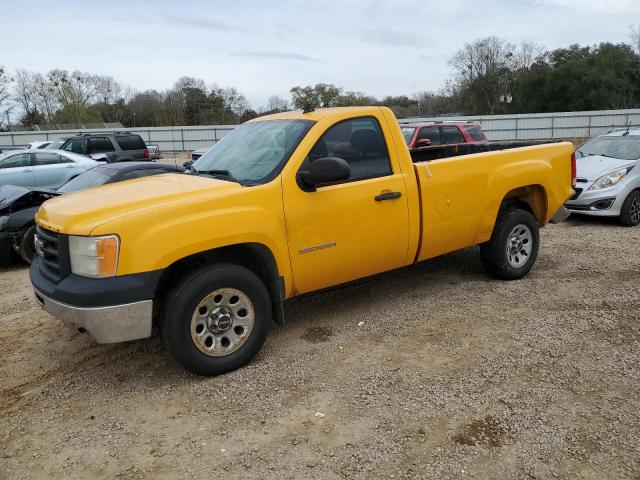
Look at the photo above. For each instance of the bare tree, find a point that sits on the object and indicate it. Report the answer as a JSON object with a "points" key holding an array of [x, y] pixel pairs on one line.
{"points": [[277, 104], [5, 98], [74, 91], [483, 69], [635, 37], [527, 54], [107, 89]]}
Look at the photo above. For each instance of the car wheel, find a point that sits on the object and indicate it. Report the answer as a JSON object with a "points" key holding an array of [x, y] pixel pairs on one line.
{"points": [[513, 247], [216, 319], [25, 245], [630, 211]]}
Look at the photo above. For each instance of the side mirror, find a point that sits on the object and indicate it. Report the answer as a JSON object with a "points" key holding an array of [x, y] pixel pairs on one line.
{"points": [[423, 142], [325, 170]]}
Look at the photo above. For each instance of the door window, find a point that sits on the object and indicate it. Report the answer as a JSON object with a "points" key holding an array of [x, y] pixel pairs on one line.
{"points": [[360, 142], [430, 133], [18, 160], [451, 135], [50, 159], [100, 145], [78, 146]]}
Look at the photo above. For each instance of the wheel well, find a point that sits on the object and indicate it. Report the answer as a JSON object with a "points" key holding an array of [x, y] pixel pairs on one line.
{"points": [[532, 198], [253, 256]]}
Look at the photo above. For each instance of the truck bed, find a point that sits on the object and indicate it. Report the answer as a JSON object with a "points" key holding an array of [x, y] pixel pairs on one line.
{"points": [[460, 195], [434, 153]]}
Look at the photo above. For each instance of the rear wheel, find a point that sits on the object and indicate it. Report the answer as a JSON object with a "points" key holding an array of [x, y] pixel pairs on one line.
{"points": [[513, 247], [25, 245], [630, 211], [216, 319]]}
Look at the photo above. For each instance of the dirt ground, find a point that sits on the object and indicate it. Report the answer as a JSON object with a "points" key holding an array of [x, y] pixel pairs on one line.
{"points": [[452, 375]]}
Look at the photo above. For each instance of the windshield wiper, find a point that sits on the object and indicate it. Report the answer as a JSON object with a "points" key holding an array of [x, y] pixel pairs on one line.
{"points": [[222, 174], [600, 154]]}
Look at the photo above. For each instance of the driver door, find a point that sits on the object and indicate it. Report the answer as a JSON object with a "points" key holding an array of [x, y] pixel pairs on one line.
{"points": [[353, 228]]}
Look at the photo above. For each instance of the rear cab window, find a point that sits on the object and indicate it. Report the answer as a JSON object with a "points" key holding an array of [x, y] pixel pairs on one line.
{"points": [[131, 142]]}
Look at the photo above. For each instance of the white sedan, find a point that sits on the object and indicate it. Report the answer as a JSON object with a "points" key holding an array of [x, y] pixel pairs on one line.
{"points": [[42, 168]]}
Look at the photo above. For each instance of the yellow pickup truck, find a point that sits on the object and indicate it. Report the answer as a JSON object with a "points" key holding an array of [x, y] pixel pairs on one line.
{"points": [[284, 205]]}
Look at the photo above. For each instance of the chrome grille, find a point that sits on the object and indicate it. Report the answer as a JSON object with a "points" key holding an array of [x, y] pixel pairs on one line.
{"points": [[53, 260]]}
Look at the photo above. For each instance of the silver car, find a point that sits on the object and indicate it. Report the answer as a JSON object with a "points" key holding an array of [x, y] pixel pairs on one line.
{"points": [[608, 177], [42, 168]]}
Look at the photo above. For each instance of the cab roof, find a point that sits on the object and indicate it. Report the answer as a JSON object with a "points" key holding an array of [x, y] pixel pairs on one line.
{"points": [[320, 113]]}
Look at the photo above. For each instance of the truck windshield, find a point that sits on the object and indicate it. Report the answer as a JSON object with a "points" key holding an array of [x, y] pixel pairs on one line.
{"points": [[623, 147], [407, 132], [254, 151]]}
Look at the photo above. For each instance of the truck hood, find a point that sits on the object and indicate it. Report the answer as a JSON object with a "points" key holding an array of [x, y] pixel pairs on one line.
{"points": [[593, 167], [81, 212]]}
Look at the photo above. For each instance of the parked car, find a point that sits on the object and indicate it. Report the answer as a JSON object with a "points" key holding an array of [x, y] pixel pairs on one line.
{"points": [[112, 147], [154, 151], [34, 145], [286, 204], [10, 148], [18, 205], [430, 135], [608, 177], [42, 168]]}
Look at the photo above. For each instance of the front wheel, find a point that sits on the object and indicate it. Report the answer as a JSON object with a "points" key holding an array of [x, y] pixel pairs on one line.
{"points": [[216, 319], [630, 211], [513, 247]]}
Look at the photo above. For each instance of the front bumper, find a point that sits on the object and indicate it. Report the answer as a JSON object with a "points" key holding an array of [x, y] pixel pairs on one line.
{"points": [[114, 309], [112, 324], [606, 202]]}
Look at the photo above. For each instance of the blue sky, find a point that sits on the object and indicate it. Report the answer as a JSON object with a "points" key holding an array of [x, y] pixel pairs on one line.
{"points": [[266, 47]]}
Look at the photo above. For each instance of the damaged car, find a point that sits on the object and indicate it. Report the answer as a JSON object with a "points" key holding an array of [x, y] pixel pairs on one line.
{"points": [[18, 205]]}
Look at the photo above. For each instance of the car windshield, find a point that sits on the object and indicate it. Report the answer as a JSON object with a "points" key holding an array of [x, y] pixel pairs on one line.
{"points": [[625, 147], [407, 132], [91, 178], [55, 145], [254, 150]]}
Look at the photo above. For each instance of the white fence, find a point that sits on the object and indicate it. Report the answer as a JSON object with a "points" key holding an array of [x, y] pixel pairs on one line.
{"points": [[167, 138], [550, 126], [538, 126]]}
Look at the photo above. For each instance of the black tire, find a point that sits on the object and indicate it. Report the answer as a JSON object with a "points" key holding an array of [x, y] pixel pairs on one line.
{"points": [[495, 254], [180, 307], [25, 245], [630, 211]]}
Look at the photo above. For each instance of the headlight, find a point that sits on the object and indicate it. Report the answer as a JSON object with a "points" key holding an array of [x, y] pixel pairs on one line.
{"points": [[610, 179], [94, 256], [3, 221]]}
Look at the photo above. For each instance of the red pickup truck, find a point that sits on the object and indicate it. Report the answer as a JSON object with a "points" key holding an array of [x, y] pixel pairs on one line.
{"points": [[432, 135]]}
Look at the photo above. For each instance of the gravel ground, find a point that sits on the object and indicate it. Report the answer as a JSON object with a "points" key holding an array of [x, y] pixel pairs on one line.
{"points": [[452, 375]]}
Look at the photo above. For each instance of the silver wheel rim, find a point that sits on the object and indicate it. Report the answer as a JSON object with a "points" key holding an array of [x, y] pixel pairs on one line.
{"points": [[222, 322], [519, 246], [635, 210]]}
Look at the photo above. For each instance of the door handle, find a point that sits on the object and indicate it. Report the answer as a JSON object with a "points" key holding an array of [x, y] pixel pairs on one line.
{"points": [[387, 196], [28, 170]]}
